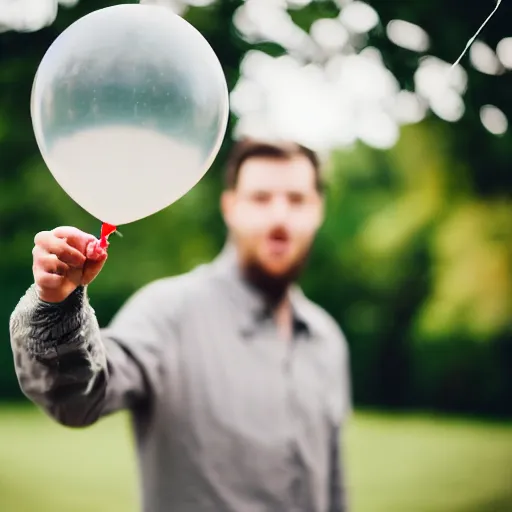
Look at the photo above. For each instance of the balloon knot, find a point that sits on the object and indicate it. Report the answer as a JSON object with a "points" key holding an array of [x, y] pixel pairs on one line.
{"points": [[106, 231]]}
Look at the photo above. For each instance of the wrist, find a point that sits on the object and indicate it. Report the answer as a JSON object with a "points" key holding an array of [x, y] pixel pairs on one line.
{"points": [[54, 299], [72, 303], [54, 324]]}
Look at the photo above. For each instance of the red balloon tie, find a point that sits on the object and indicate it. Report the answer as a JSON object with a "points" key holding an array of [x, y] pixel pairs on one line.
{"points": [[106, 231]]}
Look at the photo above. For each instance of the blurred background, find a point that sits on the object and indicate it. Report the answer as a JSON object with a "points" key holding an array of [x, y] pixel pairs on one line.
{"points": [[414, 261]]}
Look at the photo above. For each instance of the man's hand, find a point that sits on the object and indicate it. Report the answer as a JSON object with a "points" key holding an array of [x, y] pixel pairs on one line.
{"points": [[64, 259]]}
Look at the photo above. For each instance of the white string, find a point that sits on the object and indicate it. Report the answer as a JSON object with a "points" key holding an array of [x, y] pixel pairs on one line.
{"points": [[470, 42]]}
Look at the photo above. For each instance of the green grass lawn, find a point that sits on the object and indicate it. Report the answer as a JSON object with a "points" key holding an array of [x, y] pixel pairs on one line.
{"points": [[395, 463]]}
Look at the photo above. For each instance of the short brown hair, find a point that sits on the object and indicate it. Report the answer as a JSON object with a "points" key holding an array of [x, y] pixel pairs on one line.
{"points": [[247, 148]]}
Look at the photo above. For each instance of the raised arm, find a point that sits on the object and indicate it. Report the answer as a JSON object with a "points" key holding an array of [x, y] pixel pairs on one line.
{"points": [[65, 363]]}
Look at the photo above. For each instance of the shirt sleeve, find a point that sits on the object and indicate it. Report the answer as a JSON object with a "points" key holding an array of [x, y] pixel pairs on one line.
{"points": [[341, 409], [337, 489], [76, 371]]}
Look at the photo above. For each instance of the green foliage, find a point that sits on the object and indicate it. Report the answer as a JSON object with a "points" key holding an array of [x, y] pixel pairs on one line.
{"points": [[417, 270]]}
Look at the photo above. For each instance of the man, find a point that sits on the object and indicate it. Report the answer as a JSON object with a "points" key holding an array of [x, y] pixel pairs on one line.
{"points": [[236, 382]]}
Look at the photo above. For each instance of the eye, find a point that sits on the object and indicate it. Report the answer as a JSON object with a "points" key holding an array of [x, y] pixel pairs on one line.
{"points": [[296, 198], [261, 197]]}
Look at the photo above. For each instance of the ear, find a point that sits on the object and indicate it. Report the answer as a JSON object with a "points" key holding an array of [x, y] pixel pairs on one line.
{"points": [[227, 200], [321, 212]]}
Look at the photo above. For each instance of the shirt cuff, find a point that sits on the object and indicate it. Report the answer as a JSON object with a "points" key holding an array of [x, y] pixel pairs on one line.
{"points": [[56, 324]]}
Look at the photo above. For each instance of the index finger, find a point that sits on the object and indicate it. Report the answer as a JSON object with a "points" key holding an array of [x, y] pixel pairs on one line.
{"points": [[74, 237]]}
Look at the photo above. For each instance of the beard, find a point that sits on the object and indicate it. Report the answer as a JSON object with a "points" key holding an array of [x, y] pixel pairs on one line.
{"points": [[274, 286]]}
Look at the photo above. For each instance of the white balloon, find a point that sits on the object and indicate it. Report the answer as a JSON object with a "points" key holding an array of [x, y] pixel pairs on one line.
{"points": [[129, 108]]}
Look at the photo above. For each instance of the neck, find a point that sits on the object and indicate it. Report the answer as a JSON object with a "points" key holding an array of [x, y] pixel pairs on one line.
{"points": [[284, 320]]}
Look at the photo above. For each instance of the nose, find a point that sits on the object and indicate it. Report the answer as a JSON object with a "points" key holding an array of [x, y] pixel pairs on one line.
{"points": [[280, 208]]}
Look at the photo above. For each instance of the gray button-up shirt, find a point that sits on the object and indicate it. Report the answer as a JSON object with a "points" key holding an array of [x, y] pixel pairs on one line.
{"points": [[228, 417]]}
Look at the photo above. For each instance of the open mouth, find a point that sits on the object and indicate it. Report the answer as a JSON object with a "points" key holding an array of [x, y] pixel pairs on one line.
{"points": [[278, 241]]}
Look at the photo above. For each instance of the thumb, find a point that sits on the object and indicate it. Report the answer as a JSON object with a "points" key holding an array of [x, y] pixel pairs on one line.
{"points": [[96, 258]]}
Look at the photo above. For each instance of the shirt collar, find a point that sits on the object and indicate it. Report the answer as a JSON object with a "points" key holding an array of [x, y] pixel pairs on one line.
{"points": [[252, 307]]}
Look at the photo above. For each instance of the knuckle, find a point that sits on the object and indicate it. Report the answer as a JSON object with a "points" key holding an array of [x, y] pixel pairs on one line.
{"points": [[48, 280], [45, 262], [41, 237], [36, 262], [62, 230], [39, 277], [67, 231], [48, 262]]}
